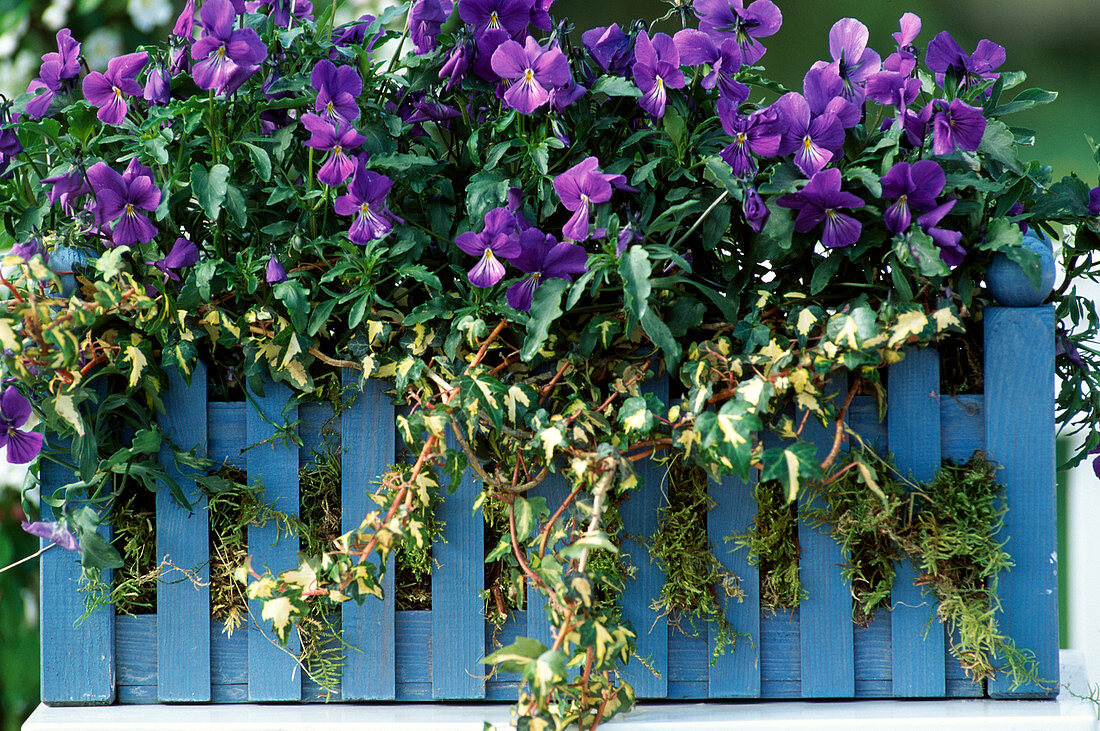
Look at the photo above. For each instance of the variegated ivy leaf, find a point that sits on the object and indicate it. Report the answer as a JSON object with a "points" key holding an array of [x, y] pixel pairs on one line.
{"points": [[137, 360], [792, 466], [517, 400], [517, 657], [278, 611], [946, 318], [910, 324], [635, 415], [550, 437], [849, 330]]}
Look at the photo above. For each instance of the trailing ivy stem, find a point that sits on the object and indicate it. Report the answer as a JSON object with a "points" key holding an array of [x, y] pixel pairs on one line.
{"points": [[598, 495], [555, 516], [839, 434]]}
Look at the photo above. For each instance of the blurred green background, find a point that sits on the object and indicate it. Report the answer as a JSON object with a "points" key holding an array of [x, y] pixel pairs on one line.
{"points": [[1056, 43]]}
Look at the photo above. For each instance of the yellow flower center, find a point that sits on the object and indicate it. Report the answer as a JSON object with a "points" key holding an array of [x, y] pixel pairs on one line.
{"points": [[129, 209], [364, 209], [494, 20], [118, 92], [807, 142], [220, 52], [336, 150], [528, 75], [741, 137]]}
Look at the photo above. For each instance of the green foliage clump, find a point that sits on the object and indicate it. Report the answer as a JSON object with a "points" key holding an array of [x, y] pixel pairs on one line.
{"points": [[696, 586], [772, 543]]}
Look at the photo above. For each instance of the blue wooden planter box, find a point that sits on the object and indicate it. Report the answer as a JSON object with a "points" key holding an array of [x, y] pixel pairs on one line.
{"points": [[178, 654]]}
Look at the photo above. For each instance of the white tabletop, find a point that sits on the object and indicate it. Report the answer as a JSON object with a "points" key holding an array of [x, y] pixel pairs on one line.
{"points": [[1065, 713]]}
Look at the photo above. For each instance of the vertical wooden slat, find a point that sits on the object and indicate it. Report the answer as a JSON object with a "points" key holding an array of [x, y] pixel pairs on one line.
{"points": [[1019, 402], [913, 425], [183, 540], [78, 660], [554, 488], [736, 673], [273, 462], [827, 643], [368, 451], [458, 619], [639, 514]]}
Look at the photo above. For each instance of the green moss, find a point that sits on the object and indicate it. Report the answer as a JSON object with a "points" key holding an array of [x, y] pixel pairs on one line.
{"points": [[133, 587], [948, 529], [772, 543], [696, 585]]}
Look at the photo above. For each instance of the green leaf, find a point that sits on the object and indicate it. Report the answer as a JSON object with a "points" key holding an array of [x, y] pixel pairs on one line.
{"points": [[825, 271], [146, 441], [518, 656], [867, 178], [320, 315], [110, 263], [634, 268], [615, 86], [999, 143], [260, 160], [661, 336], [545, 308], [1026, 99], [634, 415], [918, 251], [210, 188], [676, 129], [292, 294], [792, 466]]}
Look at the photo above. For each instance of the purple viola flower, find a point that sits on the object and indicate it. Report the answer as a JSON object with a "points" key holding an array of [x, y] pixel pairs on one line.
{"points": [[562, 96], [336, 140], [337, 88], [486, 44], [904, 59], [355, 34], [823, 90], [533, 70], [67, 55], [656, 69], [540, 14], [956, 125], [15, 409], [58, 67], [366, 200], [579, 187], [756, 135], [1094, 202], [54, 532], [67, 187], [610, 47], [106, 90], [627, 236], [181, 38], [542, 257], [121, 197], [496, 241], [755, 210], [30, 248], [813, 140], [730, 18], [945, 53], [282, 10], [511, 16], [696, 48], [853, 61], [425, 109], [185, 23], [893, 88], [426, 17], [821, 201], [951, 252], [183, 254], [1065, 347], [224, 57], [158, 86], [275, 272], [458, 63], [9, 147], [912, 187]]}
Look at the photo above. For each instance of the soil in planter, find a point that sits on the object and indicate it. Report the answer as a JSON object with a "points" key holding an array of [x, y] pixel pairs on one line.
{"points": [[961, 358], [696, 585]]}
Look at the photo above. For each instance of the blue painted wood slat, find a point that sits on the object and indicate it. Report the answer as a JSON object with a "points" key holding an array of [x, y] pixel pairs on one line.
{"points": [[77, 660], [458, 622], [183, 541], [273, 462], [913, 420], [828, 663], [555, 489], [1019, 392], [639, 515], [367, 452], [736, 672]]}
